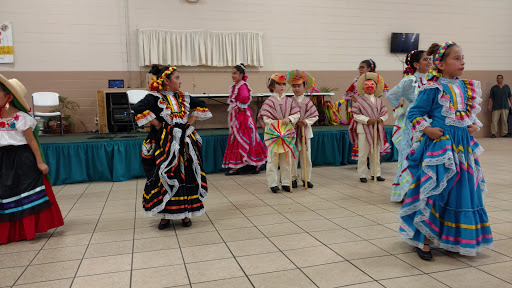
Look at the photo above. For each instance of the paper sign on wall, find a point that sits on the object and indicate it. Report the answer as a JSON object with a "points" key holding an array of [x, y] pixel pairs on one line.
{"points": [[6, 43]]}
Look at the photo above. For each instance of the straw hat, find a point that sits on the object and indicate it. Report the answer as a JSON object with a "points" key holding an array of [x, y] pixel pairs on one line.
{"points": [[370, 76], [298, 77], [18, 90]]}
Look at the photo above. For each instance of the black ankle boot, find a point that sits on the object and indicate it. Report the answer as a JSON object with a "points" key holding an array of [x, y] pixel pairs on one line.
{"points": [[162, 226], [425, 255]]}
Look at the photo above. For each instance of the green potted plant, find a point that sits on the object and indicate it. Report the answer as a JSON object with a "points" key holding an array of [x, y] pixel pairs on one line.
{"points": [[68, 106]]}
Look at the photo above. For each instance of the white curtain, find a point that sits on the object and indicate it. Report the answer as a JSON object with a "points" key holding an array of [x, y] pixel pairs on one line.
{"points": [[194, 48]]}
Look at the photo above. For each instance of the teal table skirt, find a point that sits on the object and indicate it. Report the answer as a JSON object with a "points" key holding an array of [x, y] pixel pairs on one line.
{"points": [[119, 160]]}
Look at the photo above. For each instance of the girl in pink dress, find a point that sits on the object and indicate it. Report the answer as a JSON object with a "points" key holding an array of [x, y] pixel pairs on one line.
{"points": [[244, 144]]}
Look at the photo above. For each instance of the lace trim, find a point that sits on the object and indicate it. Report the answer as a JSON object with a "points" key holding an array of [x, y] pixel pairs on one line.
{"points": [[143, 121], [471, 110], [182, 215], [170, 185], [166, 111], [403, 181], [417, 129], [148, 149], [201, 115], [202, 193], [426, 191], [449, 81], [231, 100], [430, 85], [399, 110], [235, 129], [436, 243]]}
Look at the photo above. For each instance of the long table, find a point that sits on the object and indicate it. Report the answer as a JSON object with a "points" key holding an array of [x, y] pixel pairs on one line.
{"points": [[116, 157]]}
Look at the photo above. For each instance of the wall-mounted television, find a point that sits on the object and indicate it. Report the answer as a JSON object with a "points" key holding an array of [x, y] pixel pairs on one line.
{"points": [[115, 83], [404, 42]]}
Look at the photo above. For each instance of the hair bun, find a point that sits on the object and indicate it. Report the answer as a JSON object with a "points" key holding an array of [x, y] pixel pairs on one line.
{"points": [[432, 50], [155, 70]]}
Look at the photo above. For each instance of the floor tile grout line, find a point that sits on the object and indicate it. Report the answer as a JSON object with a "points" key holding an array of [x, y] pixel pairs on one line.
{"points": [[323, 242], [267, 240], [92, 235], [181, 252], [224, 241], [48, 239], [477, 267], [133, 240], [426, 274], [299, 268], [230, 251], [377, 224]]}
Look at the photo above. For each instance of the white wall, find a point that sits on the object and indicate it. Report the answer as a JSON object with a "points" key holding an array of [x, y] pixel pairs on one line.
{"points": [[63, 35]]}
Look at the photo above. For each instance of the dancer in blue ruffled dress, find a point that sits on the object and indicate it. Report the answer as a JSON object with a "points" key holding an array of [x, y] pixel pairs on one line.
{"points": [[444, 205], [418, 64]]}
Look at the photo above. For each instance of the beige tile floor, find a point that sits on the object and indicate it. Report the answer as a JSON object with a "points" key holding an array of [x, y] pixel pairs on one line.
{"points": [[342, 233]]}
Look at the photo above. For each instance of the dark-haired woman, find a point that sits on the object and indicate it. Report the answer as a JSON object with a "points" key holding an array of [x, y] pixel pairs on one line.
{"points": [[171, 154], [27, 202], [418, 64], [365, 66], [244, 144]]}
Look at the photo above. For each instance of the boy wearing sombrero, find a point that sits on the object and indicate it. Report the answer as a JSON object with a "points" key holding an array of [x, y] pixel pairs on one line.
{"points": [[302, 82], [278, 107], [27, 202], [369, 111]]}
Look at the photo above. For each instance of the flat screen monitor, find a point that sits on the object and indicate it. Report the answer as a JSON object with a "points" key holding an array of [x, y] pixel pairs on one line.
{"points": [[404, 42], [115, 83]]}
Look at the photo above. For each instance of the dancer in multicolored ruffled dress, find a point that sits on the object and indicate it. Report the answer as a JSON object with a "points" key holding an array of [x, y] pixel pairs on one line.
{"points": [[418, 64], [244, 144], [171, 154], [444, 206], [27, 203]]}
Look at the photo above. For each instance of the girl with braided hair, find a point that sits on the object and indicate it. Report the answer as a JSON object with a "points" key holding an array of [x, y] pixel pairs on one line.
{"points": [[444, 205], [244, 144], [171, 154], [418, 64]]}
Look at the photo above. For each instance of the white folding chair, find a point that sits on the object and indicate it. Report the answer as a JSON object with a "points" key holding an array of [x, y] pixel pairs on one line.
{"points": [[134, 96], [47, 99]]}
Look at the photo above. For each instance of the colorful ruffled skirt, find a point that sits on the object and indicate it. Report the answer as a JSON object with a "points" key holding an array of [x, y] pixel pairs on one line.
{"points": [[244, 144], [176, 184], [445, 201], [402, 138], [27, 202]]}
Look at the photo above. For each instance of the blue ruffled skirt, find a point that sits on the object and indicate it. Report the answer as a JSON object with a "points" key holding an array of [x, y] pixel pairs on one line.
{"points": [[445, 200]]}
